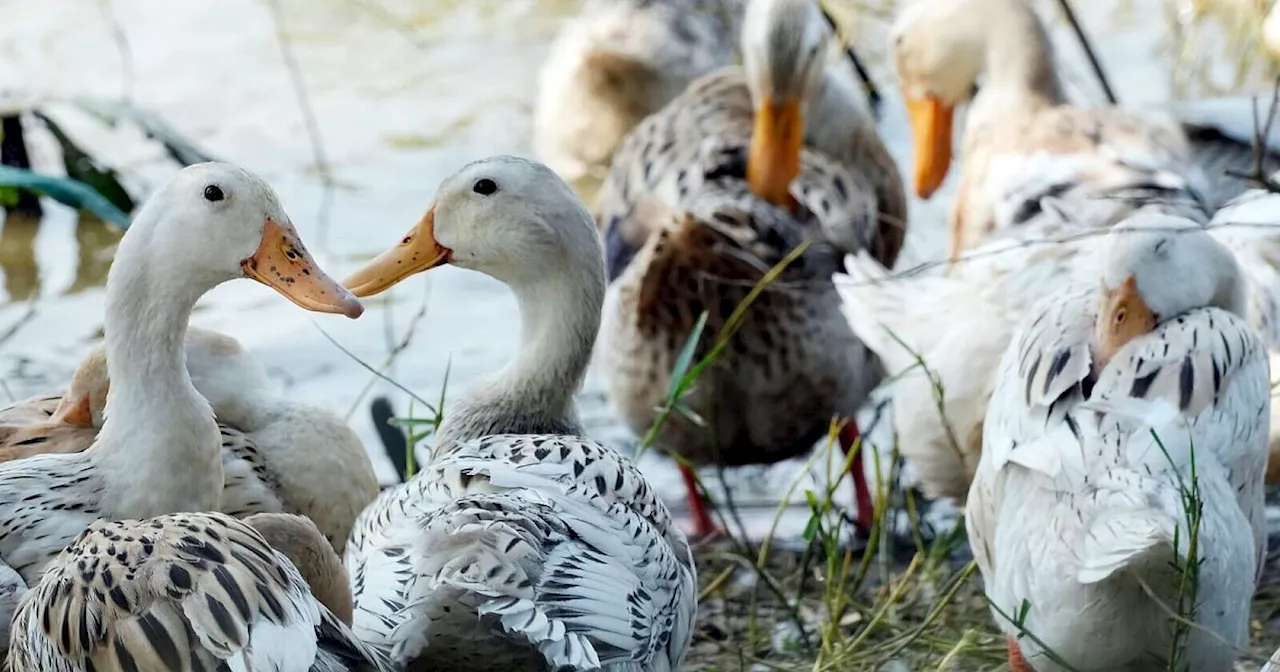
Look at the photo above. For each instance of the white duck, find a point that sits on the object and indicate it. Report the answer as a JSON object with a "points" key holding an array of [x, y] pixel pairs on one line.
{"points": [[959, 325], [279, 456], [521, 544], [189, 592], [1076, 513], [1022, 138], [158, 451]]}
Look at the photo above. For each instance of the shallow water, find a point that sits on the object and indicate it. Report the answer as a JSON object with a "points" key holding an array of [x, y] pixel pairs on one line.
{"points": [[403, 94]]}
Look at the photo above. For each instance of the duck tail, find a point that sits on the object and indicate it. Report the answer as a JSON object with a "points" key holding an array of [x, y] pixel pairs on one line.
{"points": [[393, 439]]}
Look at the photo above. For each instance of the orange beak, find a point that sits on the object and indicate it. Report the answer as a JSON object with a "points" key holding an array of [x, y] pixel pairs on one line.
{"points": [[283, 264], [774, 159], [931, 131], [74, 411], [417, 252], [1123, 317]]}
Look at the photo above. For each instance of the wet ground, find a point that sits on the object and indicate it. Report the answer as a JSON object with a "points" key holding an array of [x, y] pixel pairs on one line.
{"points": [[403, 93]]}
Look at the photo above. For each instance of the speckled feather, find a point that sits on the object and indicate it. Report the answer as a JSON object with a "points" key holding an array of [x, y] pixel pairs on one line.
{"points": [[182, 592], [684, 234], [524, 551], [1190, 361], [1095, 494]]}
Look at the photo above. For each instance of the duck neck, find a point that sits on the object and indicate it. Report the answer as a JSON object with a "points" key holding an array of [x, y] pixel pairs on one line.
{"points": [[1019, 57], [559, 320], [158, 430]]}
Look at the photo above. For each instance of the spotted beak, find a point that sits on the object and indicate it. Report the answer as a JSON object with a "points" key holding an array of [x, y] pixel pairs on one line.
{"points": [[417, 252], [1122, 317], [776, 140], [74, 411], [931, 132], [283, 264]]}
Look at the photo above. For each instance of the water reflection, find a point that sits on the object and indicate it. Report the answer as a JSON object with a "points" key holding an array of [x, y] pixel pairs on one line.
{"points": [[17, 257], [95, 246]]}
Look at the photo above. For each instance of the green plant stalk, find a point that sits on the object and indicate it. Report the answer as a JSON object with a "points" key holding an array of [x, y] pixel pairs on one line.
{"points": [[727, 331]]}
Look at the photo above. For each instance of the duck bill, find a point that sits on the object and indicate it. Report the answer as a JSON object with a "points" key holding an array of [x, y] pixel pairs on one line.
{"points": [[73, 410], [283, 264], [776, 140], [1123, 316], [417, 252], [931, 132]]}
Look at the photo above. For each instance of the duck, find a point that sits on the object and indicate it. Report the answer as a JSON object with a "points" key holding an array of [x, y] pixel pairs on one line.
{"points": [[278, 455], [940, 336], [701, 200], [521, 543], [959, 324], [616, 62], [1022, 139], [209, 224], [197, 590], [1116, 401]]}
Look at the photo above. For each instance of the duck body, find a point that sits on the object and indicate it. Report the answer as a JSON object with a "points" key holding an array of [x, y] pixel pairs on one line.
{"points": [[702, 199], [521, 544], [1078, 545], [278, 456], [1076, 511], [1247, 225], [617, 62], [492, 538], [784, 374], [158, 451], [188, 591]]}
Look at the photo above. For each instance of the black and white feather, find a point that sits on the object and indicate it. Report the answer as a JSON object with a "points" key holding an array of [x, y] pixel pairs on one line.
{"points": [[183, 592], [524, 552]]}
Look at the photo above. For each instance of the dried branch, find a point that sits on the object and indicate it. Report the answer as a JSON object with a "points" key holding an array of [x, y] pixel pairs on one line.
{"points": [[308, 112], [122, 45], [1088, 51], [1261, 133]]}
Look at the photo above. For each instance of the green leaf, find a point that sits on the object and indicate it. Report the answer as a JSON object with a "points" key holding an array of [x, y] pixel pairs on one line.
{"points": [[811, 529], [65, 190], [686, 356]]}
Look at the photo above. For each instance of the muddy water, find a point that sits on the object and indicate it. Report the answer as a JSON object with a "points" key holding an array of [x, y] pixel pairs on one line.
{"points": [[403, 93]]}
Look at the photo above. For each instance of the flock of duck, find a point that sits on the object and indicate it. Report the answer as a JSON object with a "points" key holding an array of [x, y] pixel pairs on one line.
{"points": [[1107, 396]]}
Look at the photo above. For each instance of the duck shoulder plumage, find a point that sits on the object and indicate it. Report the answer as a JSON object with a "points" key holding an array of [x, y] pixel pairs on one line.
{"points": [[179, 592], [556, 543]]}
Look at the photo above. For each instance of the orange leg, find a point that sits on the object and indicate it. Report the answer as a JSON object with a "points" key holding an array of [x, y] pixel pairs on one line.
{"points": [[861, 494], [703, 526], [1016, 662]]}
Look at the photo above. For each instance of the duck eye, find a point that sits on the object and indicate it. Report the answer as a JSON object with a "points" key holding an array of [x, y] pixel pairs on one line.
{"points": [[212, 193], [485, 187]]}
